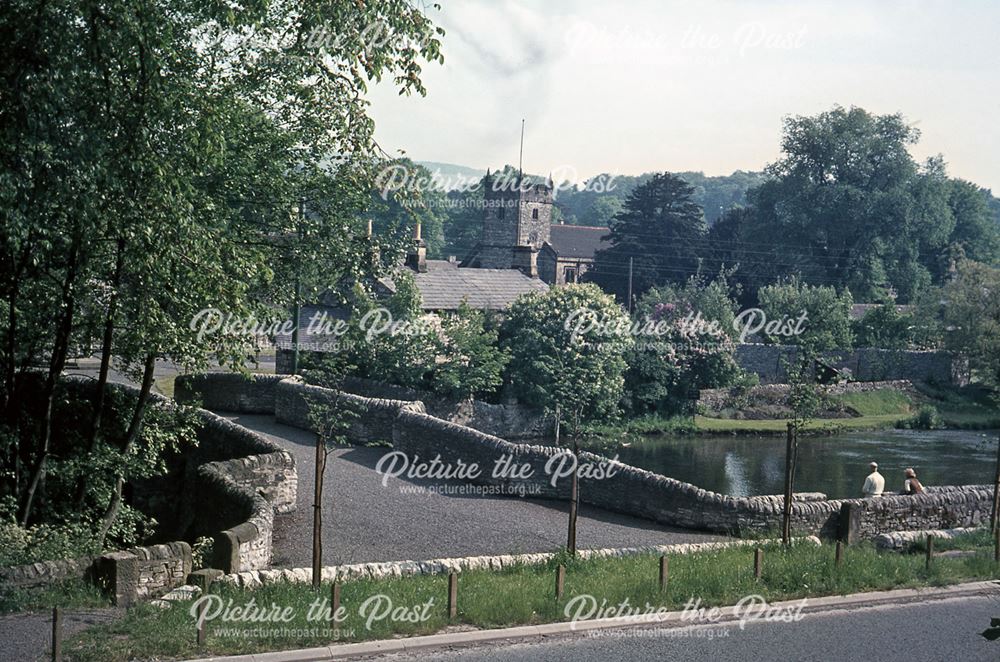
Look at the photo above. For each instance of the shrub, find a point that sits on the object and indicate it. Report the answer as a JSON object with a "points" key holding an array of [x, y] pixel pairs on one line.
{"points": [[926, 418], [44, 542]]}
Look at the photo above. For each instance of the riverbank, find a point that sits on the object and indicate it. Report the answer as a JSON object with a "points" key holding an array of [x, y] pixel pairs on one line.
{"points": [[922, 407], [523, 595]]}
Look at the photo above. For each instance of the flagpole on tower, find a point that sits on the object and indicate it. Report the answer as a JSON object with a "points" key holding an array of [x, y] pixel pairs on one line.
{"points": [[520, 158]]}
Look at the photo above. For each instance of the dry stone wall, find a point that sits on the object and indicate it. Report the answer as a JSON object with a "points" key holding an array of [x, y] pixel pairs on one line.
{"points": [[866, 364], [631, 490]]}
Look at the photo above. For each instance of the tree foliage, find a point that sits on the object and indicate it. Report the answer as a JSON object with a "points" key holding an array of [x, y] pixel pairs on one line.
{"points": [[661, 230], [552, 366], [159, 158]]}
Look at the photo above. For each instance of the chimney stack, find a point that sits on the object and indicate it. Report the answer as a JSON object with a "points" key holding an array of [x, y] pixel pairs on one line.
{"points": [[417, 258], [526, 260]]}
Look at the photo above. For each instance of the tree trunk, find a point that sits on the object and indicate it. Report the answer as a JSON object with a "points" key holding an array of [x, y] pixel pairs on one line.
{"points": [[57, 362], [102, 376], [11, 350], [134, 428], [317, 550]]}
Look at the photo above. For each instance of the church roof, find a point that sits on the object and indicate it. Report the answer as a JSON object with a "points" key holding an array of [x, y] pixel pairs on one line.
{"points": [[578, 241], [445, 285]]}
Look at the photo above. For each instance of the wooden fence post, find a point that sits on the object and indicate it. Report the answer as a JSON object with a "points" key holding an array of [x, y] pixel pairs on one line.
{"points": [[201, 635], [663, 573], [452, 596], [839, 554], [334, 603], [560, 581], [758, 563], [930, 550], [56, 634]]}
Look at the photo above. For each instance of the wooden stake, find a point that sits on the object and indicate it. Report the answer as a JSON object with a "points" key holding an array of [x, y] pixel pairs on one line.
{"points": [[839, 554], [200, 638], [334, 603], [758, 563], [56, 634], [930, 550], [452, 596], [560, 581], [663, 573], [786, 509]]}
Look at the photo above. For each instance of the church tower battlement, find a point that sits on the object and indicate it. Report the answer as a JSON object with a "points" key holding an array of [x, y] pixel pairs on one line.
{"points": [[517, 218]]}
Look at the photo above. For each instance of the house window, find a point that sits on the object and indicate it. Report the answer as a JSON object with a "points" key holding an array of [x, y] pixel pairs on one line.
{"points": [[569, 275], [534, 214]]}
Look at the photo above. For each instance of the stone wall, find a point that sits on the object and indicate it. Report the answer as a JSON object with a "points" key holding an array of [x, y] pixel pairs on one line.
{"points": [[640, 493], [373, 424], [244, 394], [46, 572], [256, 394], [866, 364], [625, 489], [510, 420], [228, 487], [127, 576], [767, 396], [383, 570], [945, 507], [241, 521]]}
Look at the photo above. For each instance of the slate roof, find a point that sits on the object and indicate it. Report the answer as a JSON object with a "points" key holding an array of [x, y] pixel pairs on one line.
{"points": [[578, 241], [445, 285]]}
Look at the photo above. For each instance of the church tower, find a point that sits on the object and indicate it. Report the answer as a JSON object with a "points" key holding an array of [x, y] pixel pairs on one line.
{"points": [[517, 218]]}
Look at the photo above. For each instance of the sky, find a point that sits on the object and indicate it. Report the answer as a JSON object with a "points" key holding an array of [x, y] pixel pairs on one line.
{"points": [[633, 86]]}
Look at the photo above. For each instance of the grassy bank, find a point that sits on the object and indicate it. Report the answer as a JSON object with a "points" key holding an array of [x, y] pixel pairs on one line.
{"points": [[967, 408], [523, 595]]}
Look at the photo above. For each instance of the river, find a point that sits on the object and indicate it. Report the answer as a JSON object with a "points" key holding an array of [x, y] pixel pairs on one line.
{"points": [[836, 465]]}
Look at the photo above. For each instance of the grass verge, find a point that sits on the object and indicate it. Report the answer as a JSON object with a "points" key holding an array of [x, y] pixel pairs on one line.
{"points": [[71, 594], [518, 596]]}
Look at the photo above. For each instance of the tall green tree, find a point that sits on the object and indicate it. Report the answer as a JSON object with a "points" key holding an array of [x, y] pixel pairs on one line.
{"points": [[152, 155], [661, 230], [848, 206]]}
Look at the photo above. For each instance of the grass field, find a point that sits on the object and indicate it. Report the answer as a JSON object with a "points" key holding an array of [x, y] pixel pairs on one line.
{"points": [[521, 595]]}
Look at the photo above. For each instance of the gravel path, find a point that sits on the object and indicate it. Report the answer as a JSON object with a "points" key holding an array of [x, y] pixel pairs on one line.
{"points": [[364, 521]]}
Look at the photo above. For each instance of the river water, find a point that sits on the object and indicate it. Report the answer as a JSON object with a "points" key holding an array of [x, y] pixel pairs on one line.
{"points": [[836, 465]]}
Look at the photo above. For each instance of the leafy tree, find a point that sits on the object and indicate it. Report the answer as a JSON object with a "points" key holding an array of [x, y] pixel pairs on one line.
{"points": [[152, 155], [568, 348], [661, 230], [551, 365], [826, 324], [848, 206], [696, 350], [470, 360], [967, 308], [885, 327]]}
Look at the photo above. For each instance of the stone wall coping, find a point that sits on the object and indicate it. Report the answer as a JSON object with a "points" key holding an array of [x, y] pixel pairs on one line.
{"points": [[256, 578]]}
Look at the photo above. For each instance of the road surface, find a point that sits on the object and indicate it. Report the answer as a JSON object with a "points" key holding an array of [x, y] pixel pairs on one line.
{"points": [[932, 631], [366, 521]]}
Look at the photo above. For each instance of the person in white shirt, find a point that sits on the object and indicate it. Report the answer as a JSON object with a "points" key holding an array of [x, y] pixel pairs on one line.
{"points": [[874, 484]]}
